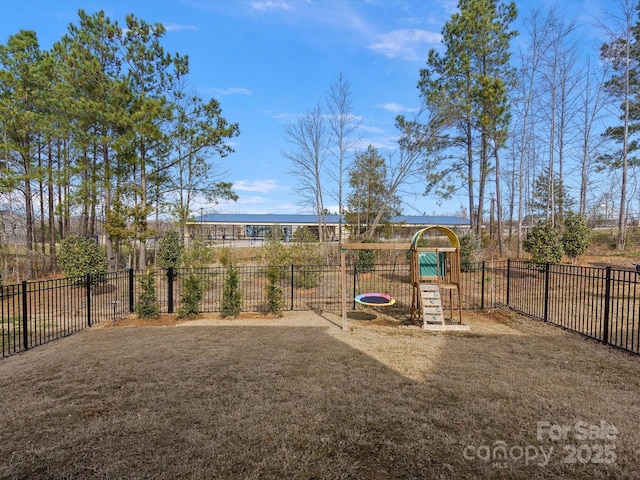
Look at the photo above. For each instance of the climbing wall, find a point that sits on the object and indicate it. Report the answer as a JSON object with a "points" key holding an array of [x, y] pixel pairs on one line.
{"points": [[431, 304]]}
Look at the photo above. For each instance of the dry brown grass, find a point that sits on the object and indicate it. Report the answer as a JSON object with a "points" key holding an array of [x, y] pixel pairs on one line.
{"points": [[297, 397]]}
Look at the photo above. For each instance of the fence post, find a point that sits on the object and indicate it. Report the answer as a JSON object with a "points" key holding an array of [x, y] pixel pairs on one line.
{"points": [[131, 310], [88, 291], [607, 305], [482, 289], [508, 280], [170, 277], [25, 313], [292, 286], [546, 292]]}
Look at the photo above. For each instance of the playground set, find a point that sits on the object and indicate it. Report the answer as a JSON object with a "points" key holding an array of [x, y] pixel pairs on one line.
{"points": [[435, 273]]}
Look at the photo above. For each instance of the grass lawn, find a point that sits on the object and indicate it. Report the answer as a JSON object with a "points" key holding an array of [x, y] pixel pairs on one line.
{"points": [[298, 398]]}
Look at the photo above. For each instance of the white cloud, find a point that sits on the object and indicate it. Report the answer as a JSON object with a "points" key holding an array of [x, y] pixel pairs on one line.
{"points": [[226, 91], [259, 186], [270, 5], [257, 204], [173, 27], [394, 107], [286, 117], [405, 44], [373, 130], [389, 143], [236, 91]]}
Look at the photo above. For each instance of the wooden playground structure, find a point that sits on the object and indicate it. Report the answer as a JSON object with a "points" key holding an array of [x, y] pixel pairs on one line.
{"points": [[435, 272]]}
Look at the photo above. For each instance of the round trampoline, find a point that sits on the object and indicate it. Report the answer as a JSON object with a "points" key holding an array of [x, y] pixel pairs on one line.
{"points": [[375, 299]]}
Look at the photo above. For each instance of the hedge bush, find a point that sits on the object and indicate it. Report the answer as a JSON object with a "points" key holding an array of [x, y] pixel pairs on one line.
{"points": [[79, 256]]}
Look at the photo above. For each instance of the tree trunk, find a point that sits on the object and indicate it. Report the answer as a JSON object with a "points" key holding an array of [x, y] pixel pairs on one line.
{"points": [[142, 259], [112, 261], [472, 213], [42, 236], [28, 205], [499, 204], [51, 208], [620, 242]]}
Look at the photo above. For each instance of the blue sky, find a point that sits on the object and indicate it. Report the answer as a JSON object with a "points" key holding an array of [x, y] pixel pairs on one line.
{"points": [[268, 61]]}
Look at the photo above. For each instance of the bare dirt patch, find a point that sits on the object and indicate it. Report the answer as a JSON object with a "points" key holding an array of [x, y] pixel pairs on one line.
{"points": [[135, 321], [297, 397]]}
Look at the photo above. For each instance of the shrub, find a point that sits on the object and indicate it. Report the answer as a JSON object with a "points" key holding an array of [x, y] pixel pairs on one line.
{"points": [[275, 298], [232, 296], [575, 236], [304, 235], [543, 243], [190, 297], [274, 252], [224, 256], [170, 250], [275, 255], [147, 305], [307, 255], [79, 256], [307, 276], [468, 251], [366, 259], [198, 255]]}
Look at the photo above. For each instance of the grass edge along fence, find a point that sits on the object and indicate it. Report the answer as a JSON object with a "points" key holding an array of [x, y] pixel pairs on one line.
{"points": [[37, 312], [602, 303]]}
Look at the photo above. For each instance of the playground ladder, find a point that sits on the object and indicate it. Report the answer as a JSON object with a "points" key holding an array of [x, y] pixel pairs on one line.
{"points": [[431, 304]]}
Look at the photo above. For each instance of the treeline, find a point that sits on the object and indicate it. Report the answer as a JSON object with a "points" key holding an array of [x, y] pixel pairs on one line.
{"points": [[535, 123], [527, 124], [104, 128]]}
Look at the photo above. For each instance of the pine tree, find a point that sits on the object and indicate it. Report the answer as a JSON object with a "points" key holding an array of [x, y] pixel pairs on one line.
{"points": [[624, 85], [467, 86], [542, 205], [23, 93], [91, 103], [198, 134], [151, 74], [369, 194]]}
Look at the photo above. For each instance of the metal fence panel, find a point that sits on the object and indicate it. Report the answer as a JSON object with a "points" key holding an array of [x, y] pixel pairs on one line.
{"points": [[600, 303], [623, 323], [11, 318]]}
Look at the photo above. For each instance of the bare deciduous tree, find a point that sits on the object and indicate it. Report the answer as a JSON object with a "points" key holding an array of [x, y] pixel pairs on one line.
{"points": [[343, 127], [623, 85], [307, 136]]}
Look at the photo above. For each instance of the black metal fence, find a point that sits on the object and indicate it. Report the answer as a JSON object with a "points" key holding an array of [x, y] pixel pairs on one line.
{"points": [[601, 303], [34, 313]]}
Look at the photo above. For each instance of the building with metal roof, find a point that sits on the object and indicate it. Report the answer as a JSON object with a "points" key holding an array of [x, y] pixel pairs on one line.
{"points": [[247, 226]]}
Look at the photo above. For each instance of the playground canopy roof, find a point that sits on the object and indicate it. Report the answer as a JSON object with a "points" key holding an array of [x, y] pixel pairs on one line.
{"points": [[453, 238]]}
